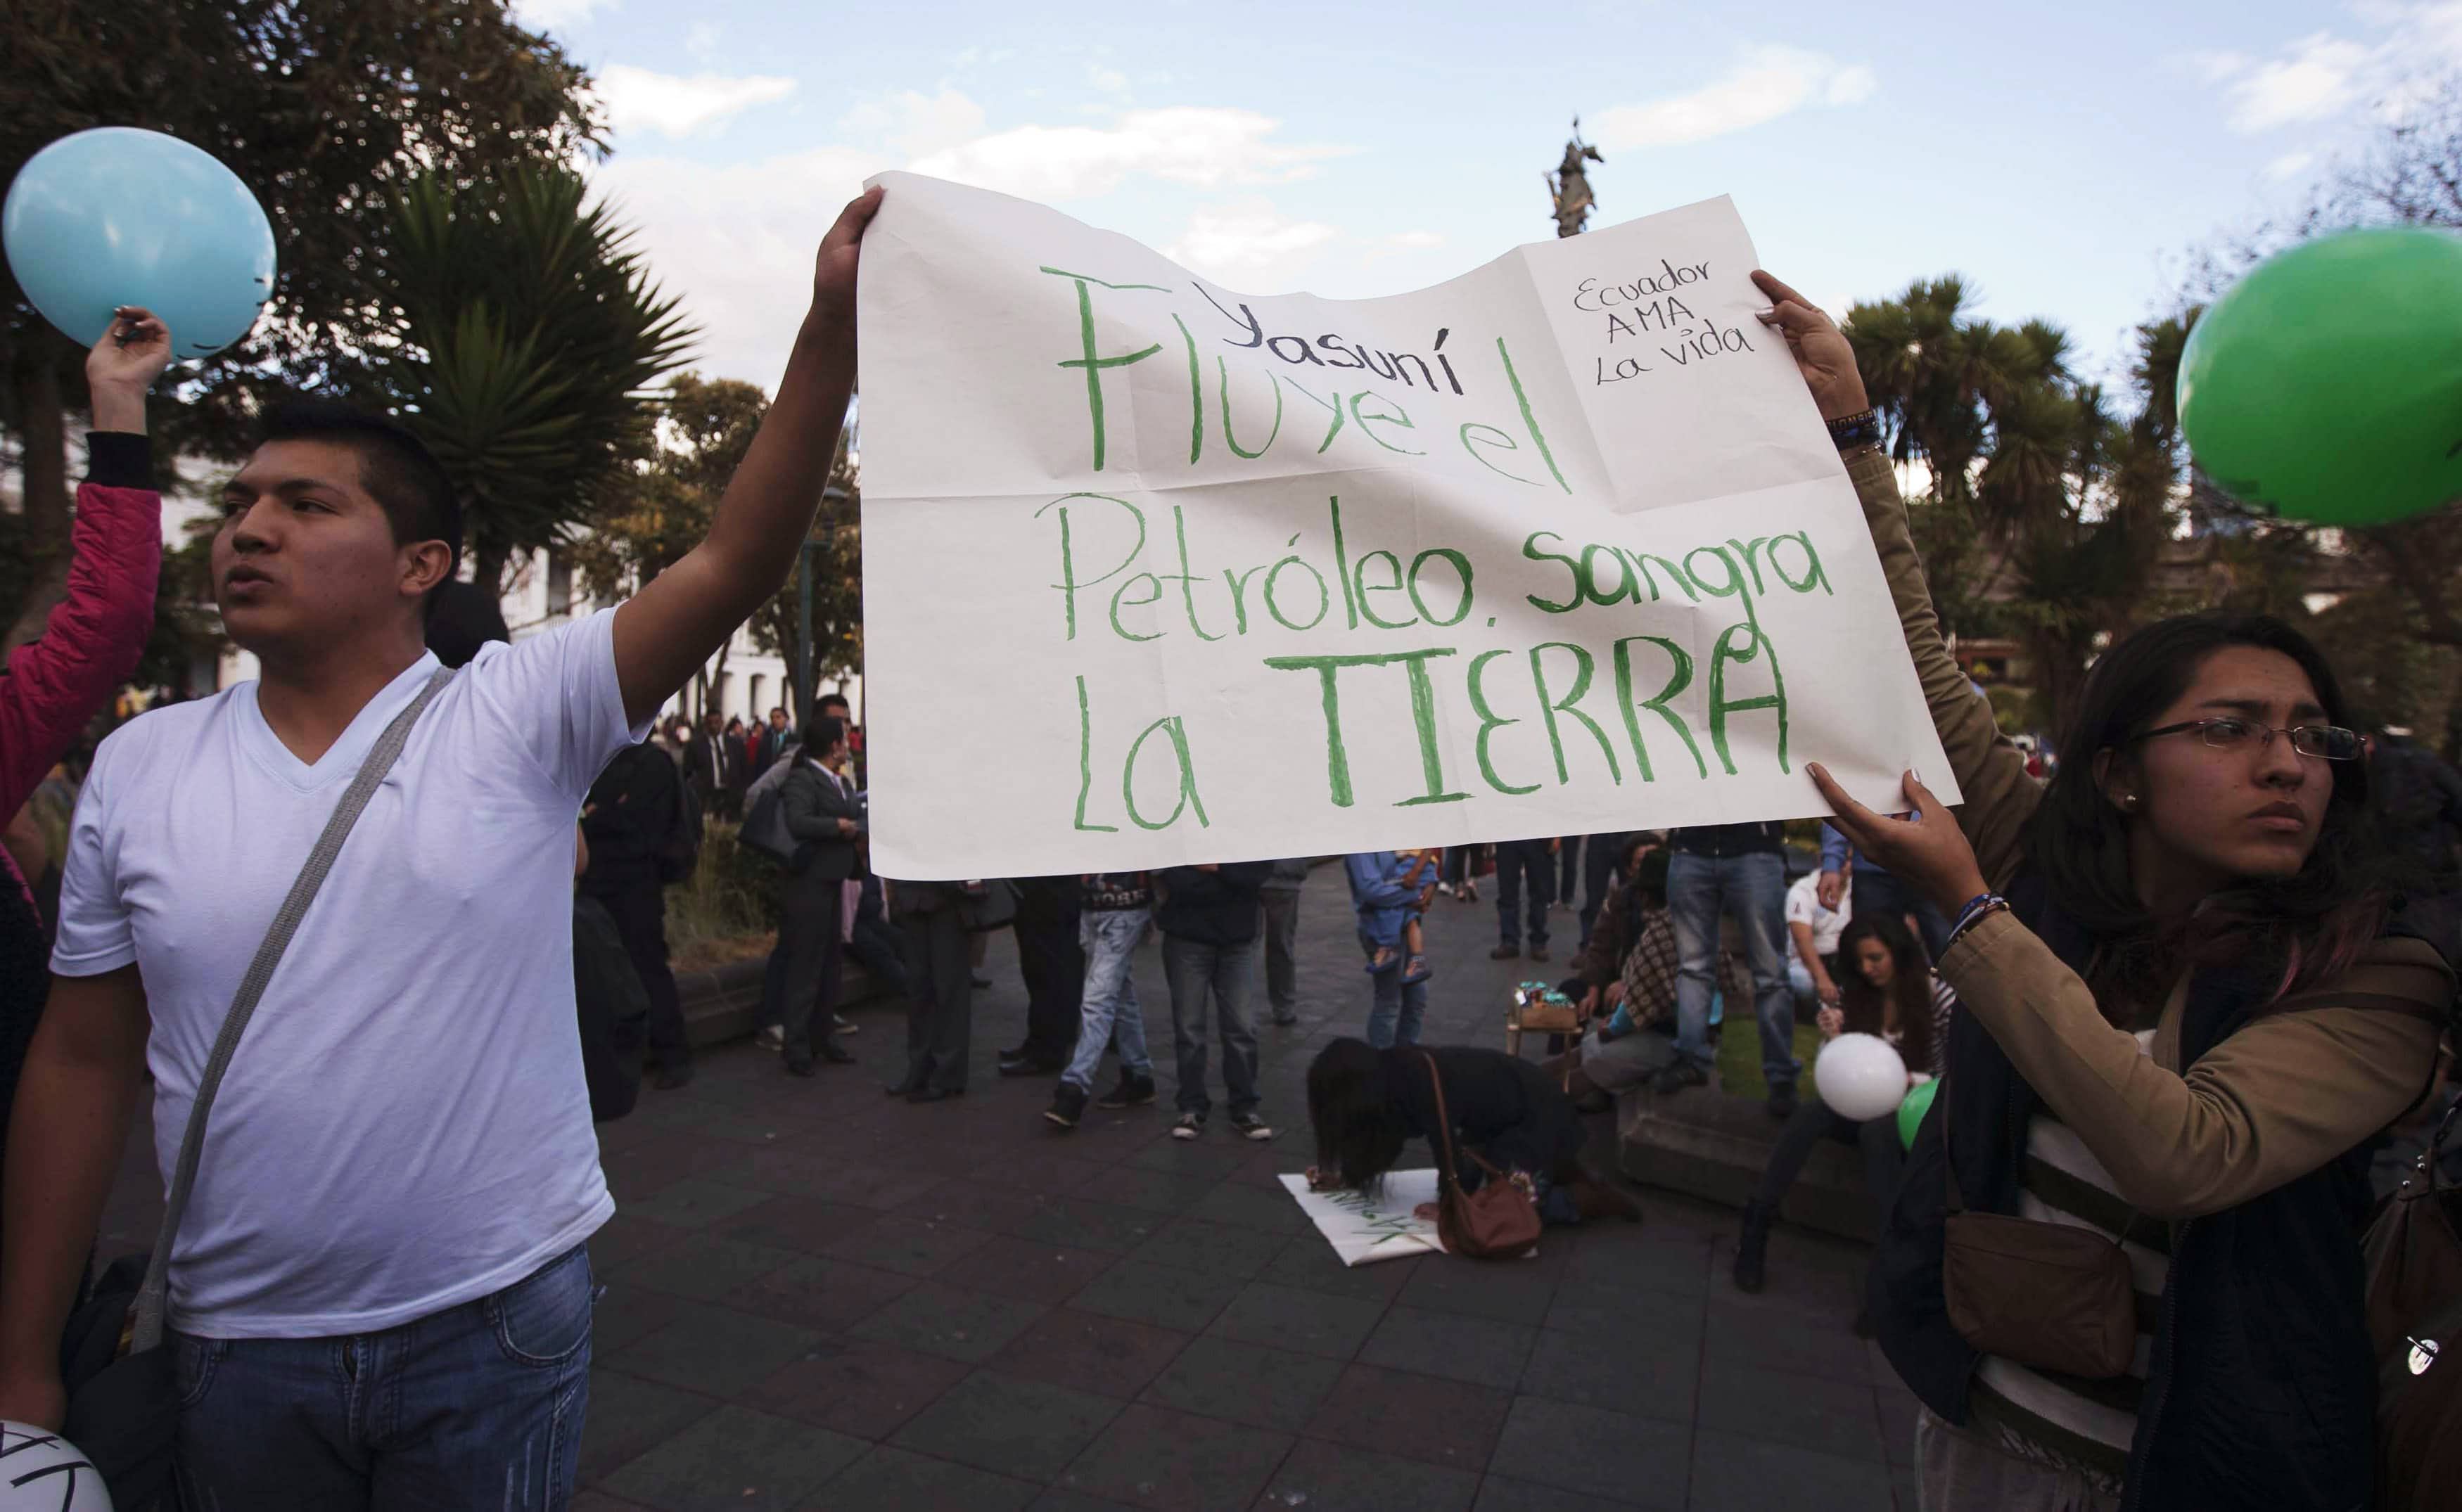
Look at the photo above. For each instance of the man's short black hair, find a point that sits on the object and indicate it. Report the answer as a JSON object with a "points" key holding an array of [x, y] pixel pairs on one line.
{"points": [[838, 699], [395, 468], [824, 734]]}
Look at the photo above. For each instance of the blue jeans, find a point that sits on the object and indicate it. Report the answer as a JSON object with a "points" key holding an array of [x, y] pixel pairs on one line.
{"points": [[1752, 889], [478, 1406], [1400, 1005], [1110, 937], [1196, 970]]}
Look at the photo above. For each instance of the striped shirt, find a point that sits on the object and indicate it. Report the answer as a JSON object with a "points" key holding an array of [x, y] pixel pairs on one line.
{"points": [[2062, 1420]]}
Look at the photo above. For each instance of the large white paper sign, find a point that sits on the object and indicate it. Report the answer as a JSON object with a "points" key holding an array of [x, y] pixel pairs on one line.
{"points": [[1367, 1228], [1158, 572]]}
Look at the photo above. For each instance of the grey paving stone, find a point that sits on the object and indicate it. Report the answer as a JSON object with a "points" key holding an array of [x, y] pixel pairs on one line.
{"points": [[890, 1480], [1244, 1383], [716, 1350], [1085, 1223], [1634, 1259], [805, 1224], [736, 1460], [697, 1202], [956, 1323], [1108, 1356], [1209, 1249], [1646, 1377], [1611, 1455], [1019, 1267], [1509, 1293], [1162, 1192], [1498, 1494], [1628, 1313], [1161, 1295], [909, 1245], [1324, 1476], [1836, 1418], [1481, 1351], [626, 1312], [1026, 1429], [1309, 1261], [866, 1390], [1264, 1210], [828, 1295], [1294, 1318], [1782, 1339], [1735, 1473], [1449, 1424], [1151, 1457], [1898, 1410], [629, 1416], [705, 1268]]}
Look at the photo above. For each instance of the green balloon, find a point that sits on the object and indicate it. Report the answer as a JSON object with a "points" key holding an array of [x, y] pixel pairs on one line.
{"points": [[1911, 1112], [2326, 385]]}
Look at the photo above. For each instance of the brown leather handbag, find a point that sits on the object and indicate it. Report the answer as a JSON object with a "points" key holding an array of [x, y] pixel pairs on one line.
{"points": [[2051, 1296], [1498, 1222], [2414, 1252]]}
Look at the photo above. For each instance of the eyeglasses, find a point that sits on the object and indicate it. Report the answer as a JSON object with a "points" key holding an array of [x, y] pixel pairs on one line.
{"points": [[2324, 742]]}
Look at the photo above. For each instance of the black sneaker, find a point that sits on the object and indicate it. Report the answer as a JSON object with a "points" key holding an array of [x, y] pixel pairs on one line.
{"points": [[1133, 1092], [1068, 1105], [1782, 1100], [1188, 1126], [1678, 1076], [1248, 1126]]}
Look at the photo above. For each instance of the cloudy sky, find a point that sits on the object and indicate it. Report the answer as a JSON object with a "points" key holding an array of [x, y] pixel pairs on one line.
{"points": [[2064, 159]]}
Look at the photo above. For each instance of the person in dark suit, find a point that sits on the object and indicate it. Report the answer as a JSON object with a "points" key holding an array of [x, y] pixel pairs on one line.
{"points": [[1054, 966], [940, 988], [627, 817], [820, 812], [704, 764]]}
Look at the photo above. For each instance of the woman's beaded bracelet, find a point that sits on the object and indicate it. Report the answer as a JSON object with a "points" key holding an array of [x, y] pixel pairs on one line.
{"points": [[1860, 429], [1973, 914]]}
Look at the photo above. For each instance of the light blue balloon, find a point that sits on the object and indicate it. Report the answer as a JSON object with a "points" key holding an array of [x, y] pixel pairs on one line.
{"points": [[118, 216]]}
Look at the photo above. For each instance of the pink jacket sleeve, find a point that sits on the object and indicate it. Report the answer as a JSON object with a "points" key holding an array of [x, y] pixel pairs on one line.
{"points": [[92, 641]]}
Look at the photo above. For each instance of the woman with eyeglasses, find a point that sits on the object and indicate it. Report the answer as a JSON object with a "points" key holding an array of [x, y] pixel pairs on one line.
{"points": [[2190, 1005]]}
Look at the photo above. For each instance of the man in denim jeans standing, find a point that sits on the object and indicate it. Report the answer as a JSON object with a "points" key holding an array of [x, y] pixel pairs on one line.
{"points": [[1737, 870], [1209, 919], [1113, 914]]}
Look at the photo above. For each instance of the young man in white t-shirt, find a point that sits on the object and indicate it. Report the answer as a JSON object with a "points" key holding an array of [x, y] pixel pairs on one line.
{"points": [[1812, 931], [378, 1295]]}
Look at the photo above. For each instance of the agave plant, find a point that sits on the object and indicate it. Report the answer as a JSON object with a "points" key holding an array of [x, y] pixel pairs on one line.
{"points": [[529, 339]]}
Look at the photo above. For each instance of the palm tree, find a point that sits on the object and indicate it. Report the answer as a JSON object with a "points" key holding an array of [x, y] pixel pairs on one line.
{"points": [[528, 338]]}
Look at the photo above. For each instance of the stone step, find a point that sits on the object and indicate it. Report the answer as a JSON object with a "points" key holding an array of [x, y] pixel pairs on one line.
{"points": [[1713, 1145]]}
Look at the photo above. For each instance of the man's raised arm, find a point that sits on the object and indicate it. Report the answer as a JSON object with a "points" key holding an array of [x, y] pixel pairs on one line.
{"points": [[679, 619]]}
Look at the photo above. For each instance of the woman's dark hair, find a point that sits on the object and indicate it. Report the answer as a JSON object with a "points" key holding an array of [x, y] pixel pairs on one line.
{"points": [[1359, 1132], [460, 618], [1864, 1005], [2314, 922]]}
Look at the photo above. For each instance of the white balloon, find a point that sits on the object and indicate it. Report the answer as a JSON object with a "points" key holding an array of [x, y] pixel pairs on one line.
{"points": [[1861, 1076], [39, 1469]]}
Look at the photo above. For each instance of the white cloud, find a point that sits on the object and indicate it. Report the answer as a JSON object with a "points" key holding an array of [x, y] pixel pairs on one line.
{"points": [[701, 39], [1109, 79], [1249, 244], [1765, 84], [2317, 79], [916, 125], [638, 100], [1398, 243], [541, 14], [1205, 147], [2324, 76], [2290, 165], [737, 242]]}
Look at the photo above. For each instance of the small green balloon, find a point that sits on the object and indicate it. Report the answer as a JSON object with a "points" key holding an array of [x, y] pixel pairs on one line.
{"points": [[1911, 1112], [2326, 385]]}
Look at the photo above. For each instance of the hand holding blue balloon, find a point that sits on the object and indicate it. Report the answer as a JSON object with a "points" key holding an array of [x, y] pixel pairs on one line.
{"points": [[123, 365], [117, 217]]}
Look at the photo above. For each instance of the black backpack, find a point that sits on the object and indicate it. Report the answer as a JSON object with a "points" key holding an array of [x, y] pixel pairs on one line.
{"points": [[680, 852]]}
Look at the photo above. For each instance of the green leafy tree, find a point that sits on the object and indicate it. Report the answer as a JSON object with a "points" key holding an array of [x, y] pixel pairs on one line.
{"points": [[527, 337], [666, 506], [324, 108]]}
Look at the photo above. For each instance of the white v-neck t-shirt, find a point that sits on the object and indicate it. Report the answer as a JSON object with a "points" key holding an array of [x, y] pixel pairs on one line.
{"points": [[404, 1127]]}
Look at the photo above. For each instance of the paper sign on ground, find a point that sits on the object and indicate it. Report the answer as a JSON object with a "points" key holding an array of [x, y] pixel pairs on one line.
{"points": [[1368, 1227], [1155, 571]]}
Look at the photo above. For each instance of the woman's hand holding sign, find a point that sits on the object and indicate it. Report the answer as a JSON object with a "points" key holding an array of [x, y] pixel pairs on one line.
{"points": [[1931, 852]]}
